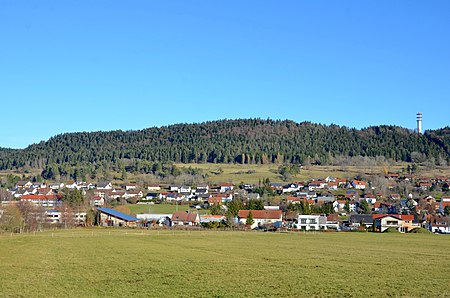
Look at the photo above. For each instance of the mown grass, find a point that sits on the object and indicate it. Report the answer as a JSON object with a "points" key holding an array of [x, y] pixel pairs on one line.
{"points": [[115, 263], [236, 173]]}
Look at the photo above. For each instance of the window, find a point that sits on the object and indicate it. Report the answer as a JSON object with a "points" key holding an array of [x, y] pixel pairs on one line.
{"points": [[303, 221]]}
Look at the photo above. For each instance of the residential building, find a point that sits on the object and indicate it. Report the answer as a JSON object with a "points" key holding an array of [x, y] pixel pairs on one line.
{"points": [[260, 217], [312, 222]]}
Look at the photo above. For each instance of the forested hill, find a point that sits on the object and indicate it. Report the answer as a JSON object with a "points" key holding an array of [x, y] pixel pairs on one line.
{"points": [[229, 141]]}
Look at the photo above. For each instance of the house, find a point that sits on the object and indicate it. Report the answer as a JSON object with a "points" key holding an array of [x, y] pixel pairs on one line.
{"points": [[225, 197], [80, 218], [351, 194], [41, 200], [155, 187], [312, 222], [268, 207], [182, 218], [174, 197], [341, 181], [85, 186], [260, 217], [131, 186], [202, 190], [276, 186], [322, 200], [357, 184], [214, 201], [23, 184], [45, 191], [97, 201], [370, 199], [424, 186], [159, 219], [133, 194], [113, 218], [291, 188], [330, 179], [247, 187], [381, 207], [21, 192], [332, 185], [393, 176], [71, 185], [360, 220], [56, 186], [317, 184], [294, 200], [38, 185], [174, 188], [185, 189], [333, 222], [352, 205], [439, 224], [153, 196], [445, 202], [211, 218], [339, 205], [104, 185], [53, 216], [394, 196], [403, 223], [226, 187]]}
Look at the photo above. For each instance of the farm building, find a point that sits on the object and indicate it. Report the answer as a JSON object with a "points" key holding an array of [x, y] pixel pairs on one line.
{"points": [[113, 218]]}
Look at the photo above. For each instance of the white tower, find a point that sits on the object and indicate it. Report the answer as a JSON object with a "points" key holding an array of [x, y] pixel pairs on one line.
{"points": [[419, 123]]}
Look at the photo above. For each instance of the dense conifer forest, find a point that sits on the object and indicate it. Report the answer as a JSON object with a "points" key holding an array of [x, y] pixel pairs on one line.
{"points": [[246, 141]]}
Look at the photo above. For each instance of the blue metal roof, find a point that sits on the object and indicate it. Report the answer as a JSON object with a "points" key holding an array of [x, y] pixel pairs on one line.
{"points": [[118, 214]]}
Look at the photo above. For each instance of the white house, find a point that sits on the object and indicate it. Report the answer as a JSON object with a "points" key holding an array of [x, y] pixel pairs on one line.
{"points": [[131, 186], [155, 187], [312, 222], [53, 216], [260, 217], [56, 186], [182, 218], [439, 224], [226, 187], [185, 189], [104, 185], [356, 184], [291, 188], [97, 201]]}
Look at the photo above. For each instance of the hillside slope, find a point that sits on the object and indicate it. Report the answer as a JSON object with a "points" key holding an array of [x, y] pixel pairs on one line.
{"points": [[228, 141]]}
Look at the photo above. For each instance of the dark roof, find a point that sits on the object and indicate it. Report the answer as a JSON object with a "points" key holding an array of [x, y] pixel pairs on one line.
{"points": [[358, 218], [118, 214], [184, 216]]}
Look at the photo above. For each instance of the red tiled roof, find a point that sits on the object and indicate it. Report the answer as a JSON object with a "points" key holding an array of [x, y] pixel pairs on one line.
{"points": [[400, 216], [39, 197]]}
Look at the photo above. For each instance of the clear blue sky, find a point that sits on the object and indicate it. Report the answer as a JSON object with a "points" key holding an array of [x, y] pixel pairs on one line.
{"points": [[68, 66]]}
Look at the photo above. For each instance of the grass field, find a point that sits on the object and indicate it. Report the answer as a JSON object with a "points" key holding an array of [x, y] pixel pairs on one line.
{"points": [[236, 173], [135, 263]]}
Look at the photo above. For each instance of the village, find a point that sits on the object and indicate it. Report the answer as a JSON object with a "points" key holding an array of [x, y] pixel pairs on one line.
{"points": [[328, 204]]}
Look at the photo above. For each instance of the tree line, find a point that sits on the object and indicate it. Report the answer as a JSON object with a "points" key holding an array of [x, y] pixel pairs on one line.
{"points": [[245, 141]]}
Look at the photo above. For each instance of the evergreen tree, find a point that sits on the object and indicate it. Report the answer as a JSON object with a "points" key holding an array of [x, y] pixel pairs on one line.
{"points": [[249, 220]]}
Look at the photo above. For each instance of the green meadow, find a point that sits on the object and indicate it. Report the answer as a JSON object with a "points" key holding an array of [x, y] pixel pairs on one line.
{"points": [[142, 263]]}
